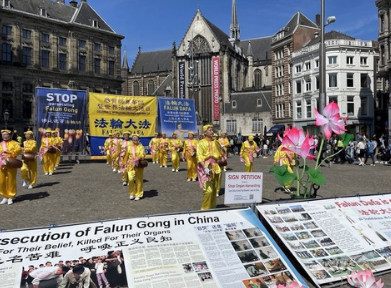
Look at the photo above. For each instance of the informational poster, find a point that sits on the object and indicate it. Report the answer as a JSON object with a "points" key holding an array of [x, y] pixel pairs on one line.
{"points": [[63, 111], [243, 187], [110, 114], [332, 237], [177, 115], [203, 249]]}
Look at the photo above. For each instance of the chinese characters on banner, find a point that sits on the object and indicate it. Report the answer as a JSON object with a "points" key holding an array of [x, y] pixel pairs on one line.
{"points": [[63, 111], [110, 114], [177, 115], [204, 249], [332, 237]]}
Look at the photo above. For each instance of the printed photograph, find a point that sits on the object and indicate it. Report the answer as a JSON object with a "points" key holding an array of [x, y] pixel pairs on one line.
{"points": [[256, 269], [252, 232], [241, 245], [106, 270], [297, 208], [235, 235], [267, 252], [248, 256], [335, 250], [275, 265], [259, 242]]}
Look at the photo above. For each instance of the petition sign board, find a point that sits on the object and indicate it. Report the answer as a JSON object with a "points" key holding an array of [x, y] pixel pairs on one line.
{"points": [[210, 249], [330, 238]]}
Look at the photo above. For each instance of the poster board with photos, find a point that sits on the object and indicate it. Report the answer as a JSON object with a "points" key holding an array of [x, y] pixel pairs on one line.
{"points": [[332, 237], [204, 249]]}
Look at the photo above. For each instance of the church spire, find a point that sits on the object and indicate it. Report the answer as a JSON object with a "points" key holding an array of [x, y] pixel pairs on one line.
{"points": [[125, 64], [234, 27]]}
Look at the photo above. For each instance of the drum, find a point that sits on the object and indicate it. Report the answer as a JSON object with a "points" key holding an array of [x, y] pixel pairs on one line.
{"points": [[28, 157], [13, 163], [222, 162], [52, 150], [143, 163], [180, 149]]}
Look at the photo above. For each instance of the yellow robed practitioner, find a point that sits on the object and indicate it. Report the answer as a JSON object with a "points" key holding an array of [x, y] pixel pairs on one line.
{"points": [[29, 168], [8, 149], [208, 155], [190, 154], [247, 151], [176, 147], [133, 157]]}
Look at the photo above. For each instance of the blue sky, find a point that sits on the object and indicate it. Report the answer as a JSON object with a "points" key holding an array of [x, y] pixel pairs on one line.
{"points": [[156, 24]]}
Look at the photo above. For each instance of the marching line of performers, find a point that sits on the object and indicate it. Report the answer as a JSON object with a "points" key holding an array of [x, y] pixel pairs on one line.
{"points": [[205, 158], [49, 153]]}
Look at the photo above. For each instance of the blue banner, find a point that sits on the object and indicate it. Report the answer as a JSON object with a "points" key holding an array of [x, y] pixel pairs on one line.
{"points": [[63, 111], [177, 115], [98, 148]]}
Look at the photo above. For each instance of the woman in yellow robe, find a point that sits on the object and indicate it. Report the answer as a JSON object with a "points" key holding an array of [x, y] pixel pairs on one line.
{"points": [[247, 151], [190, 154], [175, 146], [29, 168], [8, 149], [133, 156]]}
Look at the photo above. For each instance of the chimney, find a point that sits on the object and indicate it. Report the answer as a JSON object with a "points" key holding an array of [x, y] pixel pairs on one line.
{"points": [[73, 3], [317, 19], [61, 1]]}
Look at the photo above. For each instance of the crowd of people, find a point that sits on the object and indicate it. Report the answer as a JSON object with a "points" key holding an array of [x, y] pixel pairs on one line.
{"points": [[98, 271]]}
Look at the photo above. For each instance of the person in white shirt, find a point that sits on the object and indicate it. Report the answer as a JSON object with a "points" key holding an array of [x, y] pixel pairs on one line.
{"points": [[46, 273], [100, 273]]}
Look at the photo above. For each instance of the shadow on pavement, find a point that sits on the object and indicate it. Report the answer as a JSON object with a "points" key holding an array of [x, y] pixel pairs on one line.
{"points": [[31, 196], [150, 194], [46, 184]]}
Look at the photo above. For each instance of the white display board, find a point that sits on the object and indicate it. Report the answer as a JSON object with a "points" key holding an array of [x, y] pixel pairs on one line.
{"points": [[206, 249], [243, 187], [330, 238]]}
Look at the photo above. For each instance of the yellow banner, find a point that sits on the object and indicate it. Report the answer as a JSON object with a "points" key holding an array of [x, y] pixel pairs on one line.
{"points": [[111, 114]]}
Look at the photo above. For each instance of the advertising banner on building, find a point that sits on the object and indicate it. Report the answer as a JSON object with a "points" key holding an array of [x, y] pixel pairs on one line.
{"points": [[216, 87], [63, 111], [332, 237], [110, 114], [182, 82], [177, 115], [204, 249]]}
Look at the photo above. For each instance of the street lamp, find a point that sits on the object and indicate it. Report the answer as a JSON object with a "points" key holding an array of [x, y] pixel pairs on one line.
{"points": [[322, 57], [6, 116]]}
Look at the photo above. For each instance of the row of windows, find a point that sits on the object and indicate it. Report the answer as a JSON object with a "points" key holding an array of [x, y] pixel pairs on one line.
{"points": [[333, 82], [62, 41], [235, 104], [257, 126], [350, 107], [331, 61], [62, 60]]}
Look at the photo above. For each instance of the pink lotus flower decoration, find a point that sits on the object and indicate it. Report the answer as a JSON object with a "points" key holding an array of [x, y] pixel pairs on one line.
{"points": [[364, 279], [295, 141], [331, 121], [291, 285]]}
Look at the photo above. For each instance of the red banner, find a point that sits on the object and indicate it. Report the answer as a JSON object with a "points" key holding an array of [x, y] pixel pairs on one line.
{"points": [[216, 87]]}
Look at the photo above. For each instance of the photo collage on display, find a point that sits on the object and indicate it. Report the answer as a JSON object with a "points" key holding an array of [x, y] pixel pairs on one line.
{"points": [[263, 264], [316, 250]]}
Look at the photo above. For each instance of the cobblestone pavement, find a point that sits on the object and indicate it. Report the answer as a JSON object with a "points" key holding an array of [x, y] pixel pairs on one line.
{"points": [[90, 191]]}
